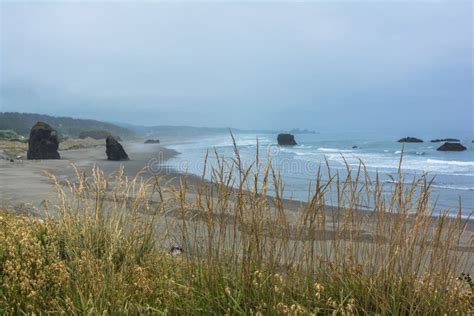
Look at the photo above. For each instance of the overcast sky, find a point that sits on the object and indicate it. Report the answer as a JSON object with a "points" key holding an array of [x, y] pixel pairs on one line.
{"points": [[399, 65]]}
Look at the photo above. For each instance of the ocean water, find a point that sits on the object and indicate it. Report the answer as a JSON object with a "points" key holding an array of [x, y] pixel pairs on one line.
{"points": [[452, 172]]}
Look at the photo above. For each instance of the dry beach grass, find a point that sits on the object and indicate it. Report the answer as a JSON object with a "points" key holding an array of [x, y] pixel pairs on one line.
{"points": [[105, 248]]}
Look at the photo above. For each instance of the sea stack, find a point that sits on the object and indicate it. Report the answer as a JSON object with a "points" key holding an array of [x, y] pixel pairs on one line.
{"points": [[114, 150], [410, 140], [152, 141], [451, 147], [286, 140], [43, 142]]}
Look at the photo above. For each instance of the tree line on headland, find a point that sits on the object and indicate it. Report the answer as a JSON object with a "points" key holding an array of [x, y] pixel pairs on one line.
{"points": [[21, 123]]}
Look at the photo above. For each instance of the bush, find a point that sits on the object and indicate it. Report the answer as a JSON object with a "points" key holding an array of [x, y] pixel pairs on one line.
{"points": [[8, 134]]}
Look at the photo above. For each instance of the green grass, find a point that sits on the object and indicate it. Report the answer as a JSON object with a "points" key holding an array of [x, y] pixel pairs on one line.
{"points": [[105, 249]]}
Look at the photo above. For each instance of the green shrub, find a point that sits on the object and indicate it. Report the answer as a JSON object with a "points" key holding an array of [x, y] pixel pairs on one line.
{"points": [[8, 134]]}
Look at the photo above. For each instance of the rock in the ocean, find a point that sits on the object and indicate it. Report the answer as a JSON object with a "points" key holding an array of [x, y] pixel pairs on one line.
{"points": [[43, 142], [445, 140], [152, 141], [354, 147], [451, 147], [286, 140], [114, 149], [410, 140]]}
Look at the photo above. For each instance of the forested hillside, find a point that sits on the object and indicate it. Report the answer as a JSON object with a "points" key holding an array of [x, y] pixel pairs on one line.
{"points": [[66, 126]]}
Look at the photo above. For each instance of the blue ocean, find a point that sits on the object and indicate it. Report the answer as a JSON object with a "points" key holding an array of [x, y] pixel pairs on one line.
{"points": [[452, 173]]}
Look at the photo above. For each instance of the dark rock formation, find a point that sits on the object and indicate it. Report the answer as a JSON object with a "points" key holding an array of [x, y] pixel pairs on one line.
{"points": [[43, 142], [114, 149], [354, 147], [445, 140], [410, 140], [286, 140], [152, 141], [451, 147]]}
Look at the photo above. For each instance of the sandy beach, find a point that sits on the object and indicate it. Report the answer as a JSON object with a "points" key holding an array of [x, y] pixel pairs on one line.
{"points": [[26, 185], [25, 182]]}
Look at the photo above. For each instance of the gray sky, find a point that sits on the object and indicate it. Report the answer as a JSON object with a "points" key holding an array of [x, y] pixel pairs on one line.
{"points": [[399, 65]]}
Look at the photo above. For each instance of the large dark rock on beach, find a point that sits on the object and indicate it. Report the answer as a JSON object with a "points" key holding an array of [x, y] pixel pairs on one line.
{"points": [[410, 140], [43, 142], [114, 150], [286, 140], [445, 140], [451, 147]]}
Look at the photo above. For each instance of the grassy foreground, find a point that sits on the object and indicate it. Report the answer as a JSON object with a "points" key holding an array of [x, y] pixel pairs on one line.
{"points": [[101, 252]]}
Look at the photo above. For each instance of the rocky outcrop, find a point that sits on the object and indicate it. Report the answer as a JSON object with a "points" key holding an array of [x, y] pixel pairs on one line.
{"points": [[152, 141], [114, 150], [43, 142], [410, 140], [286, 140], [445, 140], [451, 147]]}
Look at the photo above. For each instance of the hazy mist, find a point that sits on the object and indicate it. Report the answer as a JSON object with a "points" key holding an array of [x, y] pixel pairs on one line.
{"points": [[399, 66]]}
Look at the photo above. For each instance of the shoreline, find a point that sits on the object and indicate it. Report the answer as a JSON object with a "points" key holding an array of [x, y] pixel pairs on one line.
{"points": [[293, 205], [29, 187]]}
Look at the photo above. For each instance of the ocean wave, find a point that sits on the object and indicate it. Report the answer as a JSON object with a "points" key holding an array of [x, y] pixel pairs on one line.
{"points": [[452, 187], [451, 162], [334, 150], [437, 186], [418, 153], [303, 146], [299, 151], [243, 142], [384, 163]]}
